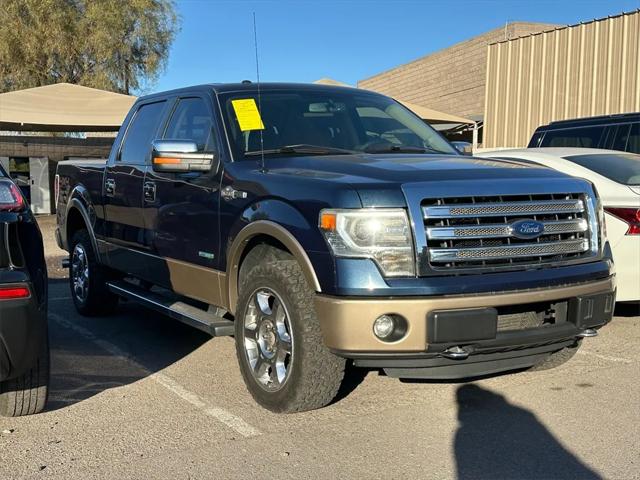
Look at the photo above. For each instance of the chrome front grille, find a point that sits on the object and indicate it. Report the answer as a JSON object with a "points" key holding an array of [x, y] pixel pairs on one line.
{"points": [[476, 232]]}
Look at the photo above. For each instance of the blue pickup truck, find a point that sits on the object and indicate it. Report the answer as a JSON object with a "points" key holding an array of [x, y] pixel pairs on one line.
{"points": [[324, 225]]}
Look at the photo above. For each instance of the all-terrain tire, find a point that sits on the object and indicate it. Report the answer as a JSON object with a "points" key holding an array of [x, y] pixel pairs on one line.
{"points": [[28, 393], [315, 373], [98, 300], [556, 358]]}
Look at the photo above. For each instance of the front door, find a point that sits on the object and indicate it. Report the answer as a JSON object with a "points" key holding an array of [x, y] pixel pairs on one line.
{"points": [[39, 185], [124, 228], [181, 209]]}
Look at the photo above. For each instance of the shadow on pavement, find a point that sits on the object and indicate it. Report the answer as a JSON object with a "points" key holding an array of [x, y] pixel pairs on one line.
{"points": [[82, 367], [353, 377], [498, 440], [627, 309]]}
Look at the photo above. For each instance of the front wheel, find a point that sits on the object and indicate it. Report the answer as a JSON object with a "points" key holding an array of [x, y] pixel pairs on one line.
{"points": [[284, 363], [556, 359]]}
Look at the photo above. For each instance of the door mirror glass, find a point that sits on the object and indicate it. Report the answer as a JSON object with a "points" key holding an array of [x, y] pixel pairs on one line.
{"points": [[180, 156]]}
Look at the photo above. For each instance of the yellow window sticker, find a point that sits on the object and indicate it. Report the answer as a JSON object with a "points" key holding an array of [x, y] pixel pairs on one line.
{"points": [[247, 114]]}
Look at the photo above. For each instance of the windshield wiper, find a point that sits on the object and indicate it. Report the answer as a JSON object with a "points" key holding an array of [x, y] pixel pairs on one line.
{"points": [[302, 148], [400, 149]]}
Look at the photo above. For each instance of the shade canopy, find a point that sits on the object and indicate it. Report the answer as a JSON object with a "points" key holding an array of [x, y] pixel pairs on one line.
{"points": [[434, 116], [331, 81], [63, 107]]}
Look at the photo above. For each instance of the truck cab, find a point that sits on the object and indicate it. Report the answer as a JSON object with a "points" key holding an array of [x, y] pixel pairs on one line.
{"points": [[320, 225]]}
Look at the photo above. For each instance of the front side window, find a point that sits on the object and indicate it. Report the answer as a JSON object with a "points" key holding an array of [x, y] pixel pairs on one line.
{"points": [[191, 120], [622, 168], [587, 137], [141, 132], [326, 122]]}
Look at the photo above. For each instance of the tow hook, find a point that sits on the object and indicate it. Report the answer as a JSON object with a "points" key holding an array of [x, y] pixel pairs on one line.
{"points": [[588, 332], [66, 262], [456, 353]]}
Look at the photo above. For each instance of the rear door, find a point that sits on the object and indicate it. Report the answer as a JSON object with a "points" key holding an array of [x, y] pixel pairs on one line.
{"points": [[181, 209], [122, 190]]}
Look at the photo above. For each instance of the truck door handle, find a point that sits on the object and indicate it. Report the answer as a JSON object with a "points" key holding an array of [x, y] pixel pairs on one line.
{"points": [[110, 187], [149, 191]]}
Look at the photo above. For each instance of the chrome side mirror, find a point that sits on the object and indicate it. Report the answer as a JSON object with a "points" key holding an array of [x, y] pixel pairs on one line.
{"points": [[180, 156], [465, 148]]}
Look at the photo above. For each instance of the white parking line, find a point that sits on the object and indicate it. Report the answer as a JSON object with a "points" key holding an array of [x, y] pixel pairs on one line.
{"points": [[605, 357], [227, 418]]}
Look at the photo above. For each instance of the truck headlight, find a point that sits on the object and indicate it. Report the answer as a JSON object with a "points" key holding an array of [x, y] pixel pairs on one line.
{"points": [[380, 234]]}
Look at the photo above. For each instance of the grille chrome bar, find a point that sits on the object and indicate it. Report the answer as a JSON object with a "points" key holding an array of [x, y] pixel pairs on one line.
{"points": [[502, 230], [501, 209], [505, 252]]}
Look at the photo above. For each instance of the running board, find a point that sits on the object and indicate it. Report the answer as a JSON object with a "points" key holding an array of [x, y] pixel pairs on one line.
{"points": [[208, 322]]}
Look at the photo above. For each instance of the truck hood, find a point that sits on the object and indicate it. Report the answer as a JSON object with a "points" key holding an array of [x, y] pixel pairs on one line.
{"points": [[399, 168], [380, 179]]}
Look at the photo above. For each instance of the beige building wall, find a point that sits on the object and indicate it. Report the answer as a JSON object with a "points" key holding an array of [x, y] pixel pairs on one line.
{"points": [[450, 80], [577, 71]]}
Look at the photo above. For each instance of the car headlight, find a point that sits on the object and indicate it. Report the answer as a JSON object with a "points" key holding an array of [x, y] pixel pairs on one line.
{"points": [[382, 235]]}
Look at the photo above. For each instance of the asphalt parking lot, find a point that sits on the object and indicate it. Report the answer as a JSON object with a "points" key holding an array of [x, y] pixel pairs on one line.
{"points": [[137, 395]]}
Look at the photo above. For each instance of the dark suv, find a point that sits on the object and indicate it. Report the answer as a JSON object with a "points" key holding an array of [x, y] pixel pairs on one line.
{"points": [[24, 346], [323, 224], [609, 132]]}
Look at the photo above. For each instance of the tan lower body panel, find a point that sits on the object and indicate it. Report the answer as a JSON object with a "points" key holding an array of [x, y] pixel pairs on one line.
{"points": [[347, 323], [200, 283]]}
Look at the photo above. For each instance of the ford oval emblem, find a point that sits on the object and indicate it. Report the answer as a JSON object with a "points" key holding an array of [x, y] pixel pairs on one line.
{"points": [[527, 229]]}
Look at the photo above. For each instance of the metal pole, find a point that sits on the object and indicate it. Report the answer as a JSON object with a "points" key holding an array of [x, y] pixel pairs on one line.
{"points": [[474, 145]]}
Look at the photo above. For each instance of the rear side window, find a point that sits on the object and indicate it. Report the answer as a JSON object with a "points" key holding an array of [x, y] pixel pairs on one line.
{"points": [[622, 168], [615, 137], [191, 120], [587, 137], [633, 143], [140, 134]]}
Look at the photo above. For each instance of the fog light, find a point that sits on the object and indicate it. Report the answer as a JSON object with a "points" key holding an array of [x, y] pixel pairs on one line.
{"points": [[383, 327]]}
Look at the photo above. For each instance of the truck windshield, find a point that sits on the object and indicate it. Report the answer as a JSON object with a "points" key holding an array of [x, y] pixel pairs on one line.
{"points": [[322, 122]]}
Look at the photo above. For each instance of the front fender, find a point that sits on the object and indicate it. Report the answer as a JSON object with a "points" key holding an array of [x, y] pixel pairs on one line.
{"points": [[284, 223]]}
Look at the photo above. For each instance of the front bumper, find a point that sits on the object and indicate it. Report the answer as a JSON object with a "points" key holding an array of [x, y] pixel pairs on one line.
{"points": [[346, 325], [23, 326]]}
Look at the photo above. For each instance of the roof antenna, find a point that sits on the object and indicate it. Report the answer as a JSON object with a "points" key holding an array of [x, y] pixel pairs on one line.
{"points": [[255, 42]]}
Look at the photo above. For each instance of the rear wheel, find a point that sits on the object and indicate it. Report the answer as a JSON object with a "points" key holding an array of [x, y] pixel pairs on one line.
{"points": [[88, 279], [284, 363], [27, 394]]}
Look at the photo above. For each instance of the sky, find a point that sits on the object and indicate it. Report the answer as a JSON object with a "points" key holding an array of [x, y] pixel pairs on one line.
{"points": [[348, 40]]}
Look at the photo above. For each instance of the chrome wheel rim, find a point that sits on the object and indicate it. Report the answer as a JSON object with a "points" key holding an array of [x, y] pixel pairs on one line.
{"points": [[80, 273], [268, 342]]}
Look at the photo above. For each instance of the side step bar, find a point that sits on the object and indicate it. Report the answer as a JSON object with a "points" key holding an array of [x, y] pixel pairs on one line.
{"points": [[208, 322]]}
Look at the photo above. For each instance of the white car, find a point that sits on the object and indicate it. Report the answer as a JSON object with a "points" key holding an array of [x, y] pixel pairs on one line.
{"points": [[616, 176]]}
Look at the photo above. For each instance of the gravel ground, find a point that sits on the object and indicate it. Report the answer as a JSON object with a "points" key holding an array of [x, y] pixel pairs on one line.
{"points": [[137, 395]]}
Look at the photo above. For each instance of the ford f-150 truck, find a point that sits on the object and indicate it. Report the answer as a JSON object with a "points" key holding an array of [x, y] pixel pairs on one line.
{"points": [[320, 225]]}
